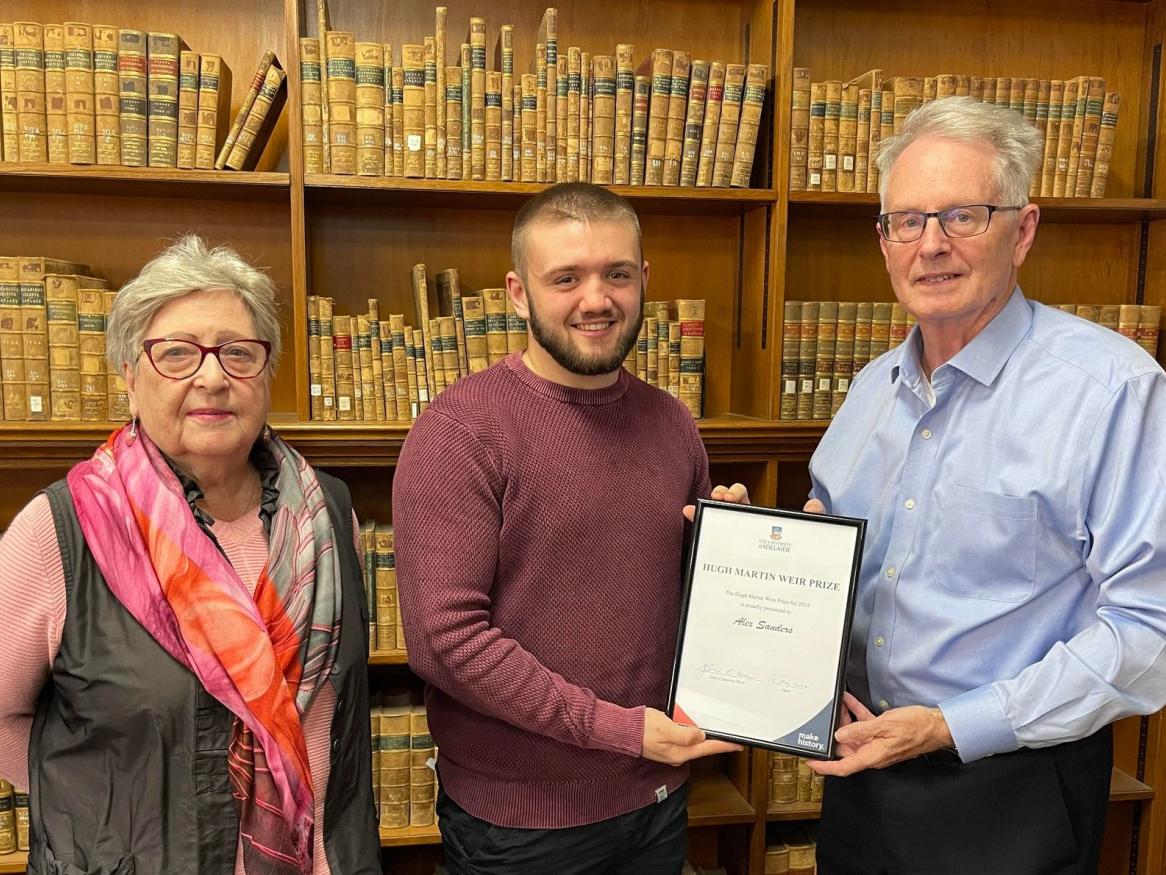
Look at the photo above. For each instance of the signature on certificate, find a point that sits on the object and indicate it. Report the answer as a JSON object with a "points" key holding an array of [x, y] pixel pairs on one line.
{"points": [[712, 671]]}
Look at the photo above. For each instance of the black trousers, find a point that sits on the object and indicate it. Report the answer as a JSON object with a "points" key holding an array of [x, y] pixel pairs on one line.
{"points": [[1030, 812], [648, 841]]}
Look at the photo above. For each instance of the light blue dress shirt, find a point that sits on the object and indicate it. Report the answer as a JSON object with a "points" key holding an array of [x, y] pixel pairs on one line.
{"points": [[1014, 572]]}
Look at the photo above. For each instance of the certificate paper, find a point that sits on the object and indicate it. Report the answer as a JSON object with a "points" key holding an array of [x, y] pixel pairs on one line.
{"points": [[765, 626]]}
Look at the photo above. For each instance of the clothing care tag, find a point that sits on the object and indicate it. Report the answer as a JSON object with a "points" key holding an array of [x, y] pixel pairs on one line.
{"points": [[661, 794]]}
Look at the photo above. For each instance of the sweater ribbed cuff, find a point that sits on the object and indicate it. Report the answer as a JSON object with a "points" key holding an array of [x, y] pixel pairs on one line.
{"points": [[617, 729]]}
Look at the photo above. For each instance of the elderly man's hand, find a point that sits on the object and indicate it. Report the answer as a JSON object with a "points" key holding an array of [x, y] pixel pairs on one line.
{"points": [[869, 742], [737, 494]]}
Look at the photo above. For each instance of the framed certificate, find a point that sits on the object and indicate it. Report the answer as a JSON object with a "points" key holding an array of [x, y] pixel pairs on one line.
{"points": [[765, 626]]}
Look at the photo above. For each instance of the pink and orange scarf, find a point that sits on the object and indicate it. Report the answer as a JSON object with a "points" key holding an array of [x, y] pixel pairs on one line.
{"points": [[263, 657]]}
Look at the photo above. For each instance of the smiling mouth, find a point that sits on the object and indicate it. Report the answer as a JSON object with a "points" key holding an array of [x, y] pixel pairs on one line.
{"points": [[933, 278], [594, 326]]}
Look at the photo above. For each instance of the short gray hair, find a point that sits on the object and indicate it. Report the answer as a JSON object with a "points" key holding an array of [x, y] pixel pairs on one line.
{"points": [[964, 119], [183, 268]]}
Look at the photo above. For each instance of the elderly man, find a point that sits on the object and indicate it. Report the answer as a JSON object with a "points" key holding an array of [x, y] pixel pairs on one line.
{"points": [[1010, 459]]}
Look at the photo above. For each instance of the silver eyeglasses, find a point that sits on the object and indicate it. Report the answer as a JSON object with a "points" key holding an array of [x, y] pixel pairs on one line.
{"points": [[179, 359], [966, 221]]}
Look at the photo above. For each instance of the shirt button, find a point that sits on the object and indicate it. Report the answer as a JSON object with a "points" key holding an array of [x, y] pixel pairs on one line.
{"points": [[926, 434], [880, 641], [909, 504], [884, 705], [891, 571]]}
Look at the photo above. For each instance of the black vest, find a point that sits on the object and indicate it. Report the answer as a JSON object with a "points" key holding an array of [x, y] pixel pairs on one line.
{"points": [[128, 752]]}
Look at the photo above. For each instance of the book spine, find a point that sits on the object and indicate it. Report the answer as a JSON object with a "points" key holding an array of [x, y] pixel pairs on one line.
{"points": [[712, 121], [799, 136], [529, 164], [210, 87], [447, 345], [399, 144], [425, 389], [439, 41], [370, 109], [377, 362], [847, 136], [424, 312], [1041, 123], [562, 86], [56, 114], [674, 358], [253, 92], [790, 362], [315, 387], [586, 94], [1105, 137], [694, 123], [364, 389], [506, 58], [677, 113], [603, 128], [549, 31], [806, 363], [388, 390], [22, 820], [1016, 90], [390, 109], [252, 138], [752, 103], [641, 96], [31, 109], [625, 87], [908, 96], [900, 325], [1048, 169], [516, 125], [385, 577], [327, 361], [346, 368], [824, 358], [515, 328], [574, 84], [7, 818], [325, 120], [11, 346], [477, 40], [99, 379], [493, 126], [863, 313], [843, 354], [1149, 318], [494, 309], [467, 64], [1078, 133], [1129, 315], [929, 89], [64, 352], [876, 115], [187, 109], [34, 337], [9, 126], [830, 129], [1065, 137], [453, 122], [79, 93], [422, 784], [404, 388], [659, 105], [651, 351], [730, 118], [540, 105], [311, 113], [862, 140], [430, 108], [435, 359], [477, 348], [341, 97], [413, 65], [662, 376], [395, 770], [162, 57], [690, 314], [1090, 133]]}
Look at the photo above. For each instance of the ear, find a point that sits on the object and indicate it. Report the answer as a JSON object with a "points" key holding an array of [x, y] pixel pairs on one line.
{"points": [[644, 277], [131, 378], [883, 247], [1029, 218], [516, 290]]}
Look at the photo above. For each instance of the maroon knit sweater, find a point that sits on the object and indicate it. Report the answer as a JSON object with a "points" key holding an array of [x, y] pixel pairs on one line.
{"points": [[539, 547]]}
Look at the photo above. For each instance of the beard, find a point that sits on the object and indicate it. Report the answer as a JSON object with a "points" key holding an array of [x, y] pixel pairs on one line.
{"points": [[559, 345]]}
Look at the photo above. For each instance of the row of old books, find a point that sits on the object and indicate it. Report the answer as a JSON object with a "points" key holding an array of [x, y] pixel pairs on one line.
{"points": [[669, 352], [96, 94], [13, 819], [385, 631], [1138, 322], [836, 127], [790, 850], [587, 117], [403, 763], [363, 368], [825, 343], [52, 343], [790, 780]]}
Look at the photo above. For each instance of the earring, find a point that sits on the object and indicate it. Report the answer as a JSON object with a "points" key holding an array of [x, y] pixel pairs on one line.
{"points": [[133, 435]]}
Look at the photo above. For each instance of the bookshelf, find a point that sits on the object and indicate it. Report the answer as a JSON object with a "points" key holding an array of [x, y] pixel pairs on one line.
{"points": [[744, 250]]}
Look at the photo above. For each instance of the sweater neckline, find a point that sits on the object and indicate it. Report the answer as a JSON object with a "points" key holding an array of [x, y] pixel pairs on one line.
{"points": [[567, 394]]}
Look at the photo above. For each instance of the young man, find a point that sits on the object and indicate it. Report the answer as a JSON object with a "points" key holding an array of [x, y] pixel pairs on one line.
{"points": [[1009, 458], [537, 509]]}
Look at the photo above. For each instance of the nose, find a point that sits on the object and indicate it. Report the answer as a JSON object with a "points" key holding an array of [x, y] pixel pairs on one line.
{"points": [[934, 240], [596, 295], [210, 374]]}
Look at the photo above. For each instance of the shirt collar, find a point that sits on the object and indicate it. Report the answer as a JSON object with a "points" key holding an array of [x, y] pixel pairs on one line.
{"points": [[985, 354]]}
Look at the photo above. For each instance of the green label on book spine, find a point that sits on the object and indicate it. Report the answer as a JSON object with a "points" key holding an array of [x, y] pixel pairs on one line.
{"points": [[310, 71], [372, 76], [341, 68]]}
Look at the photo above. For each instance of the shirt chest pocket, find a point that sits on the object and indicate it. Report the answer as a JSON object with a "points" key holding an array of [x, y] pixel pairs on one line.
{"points": [[985, 546]]}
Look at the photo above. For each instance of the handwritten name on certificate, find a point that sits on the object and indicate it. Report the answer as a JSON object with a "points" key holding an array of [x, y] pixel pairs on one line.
{"points": [[766, 624]]}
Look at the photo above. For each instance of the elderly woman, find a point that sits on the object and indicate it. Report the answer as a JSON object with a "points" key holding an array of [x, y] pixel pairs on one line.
{"points": [[182, 673]]}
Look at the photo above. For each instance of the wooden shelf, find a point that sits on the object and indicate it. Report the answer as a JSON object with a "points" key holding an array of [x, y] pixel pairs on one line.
{"points": [[396, 192], [713, 800], [143, 182], [14, 863], [410, 835], [388, 657], [1062, 210], [1122, 788]]}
